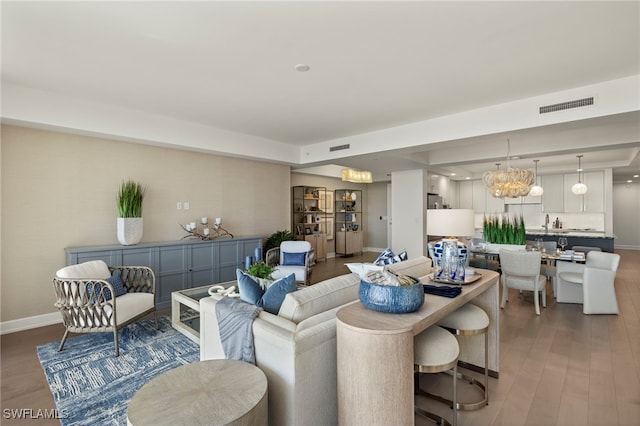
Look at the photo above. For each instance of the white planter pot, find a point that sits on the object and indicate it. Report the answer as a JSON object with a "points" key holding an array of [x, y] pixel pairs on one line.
{"points": [[129, 230], [495, 248]]}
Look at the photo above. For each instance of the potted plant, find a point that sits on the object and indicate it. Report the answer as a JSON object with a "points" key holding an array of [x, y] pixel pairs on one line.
{"points": [[504, 230], [276, 238], [262, 271], [130, 197]]}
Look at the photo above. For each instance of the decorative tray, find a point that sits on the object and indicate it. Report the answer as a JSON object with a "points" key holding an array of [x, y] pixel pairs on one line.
{"points": [[467, 280]]}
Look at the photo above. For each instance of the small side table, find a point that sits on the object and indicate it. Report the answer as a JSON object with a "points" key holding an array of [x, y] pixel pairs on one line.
{"points": [[185, 309], [214, 392]]}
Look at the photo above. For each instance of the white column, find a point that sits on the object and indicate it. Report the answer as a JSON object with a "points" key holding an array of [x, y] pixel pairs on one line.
{"points": [[408, 210]]}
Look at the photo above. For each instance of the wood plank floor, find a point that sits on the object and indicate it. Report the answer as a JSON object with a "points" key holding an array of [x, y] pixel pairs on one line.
{"points": [[559, 368]]}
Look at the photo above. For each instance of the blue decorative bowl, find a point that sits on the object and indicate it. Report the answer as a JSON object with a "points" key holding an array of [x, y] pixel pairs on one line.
{"points": [[391, 299]]}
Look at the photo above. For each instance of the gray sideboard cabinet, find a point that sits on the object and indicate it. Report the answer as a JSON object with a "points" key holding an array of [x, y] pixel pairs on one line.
{"points": [[178, 265]]}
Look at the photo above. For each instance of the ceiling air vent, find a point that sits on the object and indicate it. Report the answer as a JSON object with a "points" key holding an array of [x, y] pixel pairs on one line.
{"points": [[566, 105], [339, 147]]}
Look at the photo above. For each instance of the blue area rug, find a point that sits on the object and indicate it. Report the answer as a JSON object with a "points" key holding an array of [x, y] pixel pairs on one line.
{"points": [[91, 386]]}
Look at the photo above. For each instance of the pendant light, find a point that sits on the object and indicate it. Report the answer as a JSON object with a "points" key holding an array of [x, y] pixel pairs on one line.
{"points": [[536, 190], [579, 188], [510, 182]]}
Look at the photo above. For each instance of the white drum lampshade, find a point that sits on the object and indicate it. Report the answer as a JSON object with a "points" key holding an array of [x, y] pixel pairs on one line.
{"points": [[450, 222]]}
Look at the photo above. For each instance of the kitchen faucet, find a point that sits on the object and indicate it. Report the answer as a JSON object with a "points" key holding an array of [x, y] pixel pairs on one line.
{"points": [[546, 223]]}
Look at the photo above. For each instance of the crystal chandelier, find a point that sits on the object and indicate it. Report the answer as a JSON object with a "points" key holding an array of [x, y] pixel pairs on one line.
{"points": [[579, 188], [536, 190], [357, 176], [510, 182]]}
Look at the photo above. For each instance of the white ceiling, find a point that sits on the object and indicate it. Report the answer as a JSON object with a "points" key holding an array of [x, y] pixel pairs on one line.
{"points": [[374, 66]]}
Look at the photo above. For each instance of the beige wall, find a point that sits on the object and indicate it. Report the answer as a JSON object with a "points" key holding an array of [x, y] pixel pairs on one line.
{"points": [[59, 190]]}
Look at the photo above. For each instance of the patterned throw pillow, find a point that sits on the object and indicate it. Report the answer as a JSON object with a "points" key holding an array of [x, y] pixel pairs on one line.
{"points": [[118, 287], [116, 281], [387, 257]]}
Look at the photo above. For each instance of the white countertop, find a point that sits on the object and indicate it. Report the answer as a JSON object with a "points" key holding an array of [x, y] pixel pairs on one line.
{"points": [[569, 232]]}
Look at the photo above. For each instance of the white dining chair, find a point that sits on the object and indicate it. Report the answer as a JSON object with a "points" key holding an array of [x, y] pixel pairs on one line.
{"points": [[521, 270], [591, 283]]}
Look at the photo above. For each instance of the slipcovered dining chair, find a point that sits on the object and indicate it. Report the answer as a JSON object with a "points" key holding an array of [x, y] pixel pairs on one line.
{"points": [[295, 257], [591, 283], [546, 269], [95, 298], [521, 270]]}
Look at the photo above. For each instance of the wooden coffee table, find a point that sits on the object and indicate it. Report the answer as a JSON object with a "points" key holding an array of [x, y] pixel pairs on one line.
{"points": [[214, 392]]}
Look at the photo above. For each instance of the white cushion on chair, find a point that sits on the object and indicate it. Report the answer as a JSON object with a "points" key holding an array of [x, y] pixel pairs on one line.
{"points": [[435, 347], [96, 269], [129, 305], [132, 304], [467, 317], [282, 271], [572, 277]]}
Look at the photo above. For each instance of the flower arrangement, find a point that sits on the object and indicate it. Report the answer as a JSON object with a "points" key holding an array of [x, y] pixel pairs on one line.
{"points": [[504, 230]]}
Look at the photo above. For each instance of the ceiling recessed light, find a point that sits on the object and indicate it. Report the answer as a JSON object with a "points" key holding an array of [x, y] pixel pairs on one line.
{"points": [[453, 174], [636, 176], [302, 67], [468, 178], [629, 181]]}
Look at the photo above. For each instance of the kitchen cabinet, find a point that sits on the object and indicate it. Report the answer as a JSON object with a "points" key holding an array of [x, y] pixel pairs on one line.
{"points": [[553, 196], [474, 195], [177, 265], [465, 194], [594, 198], [494, 205], [479, 196], [529, 199], [592, 201]]}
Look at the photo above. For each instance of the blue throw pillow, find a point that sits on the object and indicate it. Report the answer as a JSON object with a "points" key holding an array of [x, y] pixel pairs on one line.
{"points": [[248, 287], [116, 281], [275, 294], [118, 287], [271, 299], [294, 259]]}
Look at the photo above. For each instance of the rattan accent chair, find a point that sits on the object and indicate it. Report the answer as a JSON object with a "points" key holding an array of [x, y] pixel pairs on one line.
{"points": [[84, 297], [295, 257]]}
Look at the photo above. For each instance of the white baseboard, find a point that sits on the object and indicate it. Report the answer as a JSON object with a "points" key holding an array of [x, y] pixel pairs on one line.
{"points": [[622, 247], [28, 323], [375, 249]]}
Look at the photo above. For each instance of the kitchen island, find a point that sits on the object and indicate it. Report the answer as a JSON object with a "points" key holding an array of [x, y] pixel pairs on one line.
{"points": [[575, 237]]}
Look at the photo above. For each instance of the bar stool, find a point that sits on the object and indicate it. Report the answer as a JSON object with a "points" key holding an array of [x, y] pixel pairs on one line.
{"points": [[435, 350], [469, 320]]}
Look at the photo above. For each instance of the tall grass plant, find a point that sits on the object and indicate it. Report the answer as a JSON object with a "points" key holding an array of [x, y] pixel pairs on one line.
{"points": [[130, 197], [504, 229]]}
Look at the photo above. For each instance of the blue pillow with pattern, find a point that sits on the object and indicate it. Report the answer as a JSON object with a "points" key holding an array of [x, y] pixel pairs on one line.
{"points": [[115, 280]]}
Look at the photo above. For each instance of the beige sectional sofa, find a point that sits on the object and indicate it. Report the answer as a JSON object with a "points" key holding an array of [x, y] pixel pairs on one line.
{"points": [[296, 349]]}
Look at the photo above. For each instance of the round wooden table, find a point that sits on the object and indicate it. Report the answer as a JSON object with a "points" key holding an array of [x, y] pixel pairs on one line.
{"points": [[214, 392]]}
